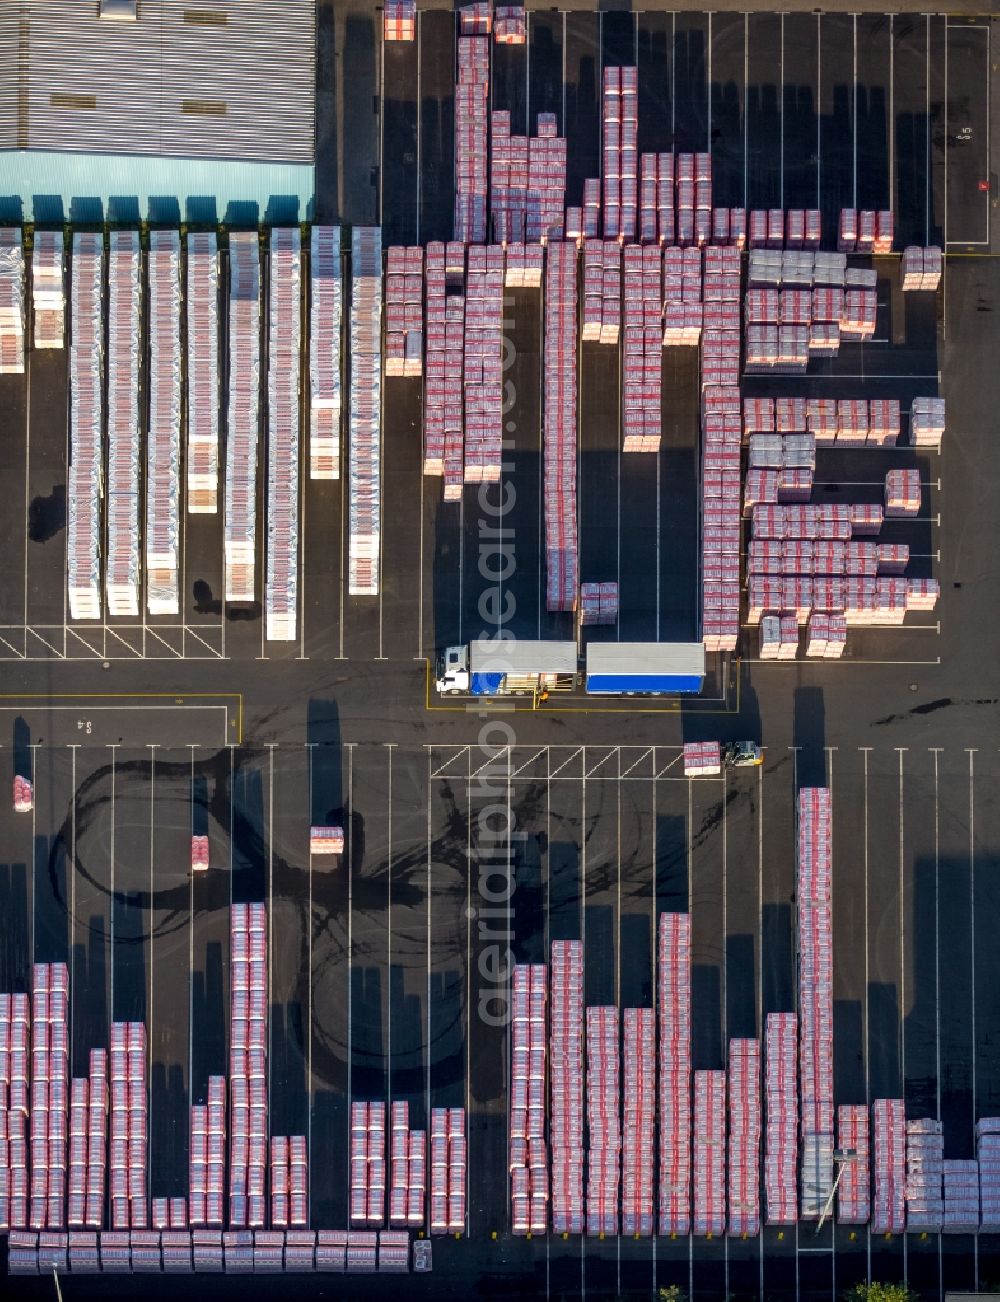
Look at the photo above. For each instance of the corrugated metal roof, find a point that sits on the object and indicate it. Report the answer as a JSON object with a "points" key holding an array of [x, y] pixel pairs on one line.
{"points": [[646, 658], [72, 82]]}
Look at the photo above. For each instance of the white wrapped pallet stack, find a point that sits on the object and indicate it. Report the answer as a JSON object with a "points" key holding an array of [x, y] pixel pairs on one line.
{"points": [[202, 373], [924, 1174], [639, 1115], [124, 332], [567, 1086], [243, 422], [961, 1196], [813, 900], [744, 1138], [988, 1155], [11, 301], [326, 309], [482, 365], [283, 369], [603, 1125], [48, 296], [674, 1000], [365, 449], [854, 1190], [83, 549], [889, 1167], [163, 438], [781, 1095]]}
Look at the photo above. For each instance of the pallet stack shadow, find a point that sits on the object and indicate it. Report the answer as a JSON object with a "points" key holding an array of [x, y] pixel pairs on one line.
{"points": [[283, 368], [326, 309], [202, 373], [163, 446], [365, 445], [86, 419], [48, 293], [11, 301], [243, 416]]}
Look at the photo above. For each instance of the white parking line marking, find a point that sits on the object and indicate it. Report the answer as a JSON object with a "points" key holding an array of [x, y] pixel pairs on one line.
{"points": [[854, 114], [349, 830], [27, 497], [819, 106], [781, 118]]}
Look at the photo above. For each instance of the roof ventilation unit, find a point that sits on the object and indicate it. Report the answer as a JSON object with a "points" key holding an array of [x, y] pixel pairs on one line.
{"points": [[122, 10]]}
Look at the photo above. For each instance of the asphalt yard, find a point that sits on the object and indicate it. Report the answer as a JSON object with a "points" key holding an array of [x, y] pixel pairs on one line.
{"points": [[382, 982]]}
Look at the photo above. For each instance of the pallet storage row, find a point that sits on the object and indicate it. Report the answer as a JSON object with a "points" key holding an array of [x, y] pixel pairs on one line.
{"points": [[927, 423], [854, 1189], [50, 1096], [599, 604], [602, 291], [778, 228], [709, 1154], [48, 293], [619, 133], [523, 266], [11, 301], [365, 448], [865, 231], [988, 1156], [961, 1196], [683, 308], [743, 1168], [509, 25], [128, 1065], [122, 578], [408, 1170], [922, 268], [243, 416], [248, 1066], [326, 311], [471, 147], [368, 1182], [86, 422], [404, 310], [721, 528], [781, 1090], [813, 896], [603, 1120], [163, 438], [924, 1175], [168, 1213], [284, 346], [566, 1084], [202, 306], [642, 349], [448, 1171], [207, 1156], [638, 1118], [289, 1182], [832, 422], [889, 1166], [546, 195], [528, 1156], [559, 416], [444, 417], [482, 373], [674, 1004]]}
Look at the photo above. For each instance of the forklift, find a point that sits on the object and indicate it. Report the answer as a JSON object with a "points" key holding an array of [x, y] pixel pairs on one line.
{"points": [[742, 755]]}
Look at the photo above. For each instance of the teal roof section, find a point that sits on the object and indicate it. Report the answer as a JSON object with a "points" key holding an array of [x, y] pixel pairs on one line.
{"points": [[85, 188]]}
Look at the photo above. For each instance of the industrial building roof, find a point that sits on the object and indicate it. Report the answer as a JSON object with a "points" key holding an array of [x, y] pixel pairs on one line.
{"points": [[226, 79]]}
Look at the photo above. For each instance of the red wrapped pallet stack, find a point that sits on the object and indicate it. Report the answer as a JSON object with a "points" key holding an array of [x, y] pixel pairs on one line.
{"points": [[528, 1157], [471, 95], [642, 349], [853, 1192], [619, 125], [674, 1002], [567, 1086], [639, 1111], [744, 1138], [603, 1126], [399, 20], [889, 1180], [482, 365], [709, 1154], [560, 427], [248, 1066], [781, 1094]]}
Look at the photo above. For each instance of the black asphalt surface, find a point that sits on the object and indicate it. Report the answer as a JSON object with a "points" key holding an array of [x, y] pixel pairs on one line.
{"points": [[376, 975]]}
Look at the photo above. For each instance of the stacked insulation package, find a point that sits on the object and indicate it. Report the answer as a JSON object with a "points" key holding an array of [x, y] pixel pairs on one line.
{"points": [[471, 109], [15, 1096], [243, 415], [854, 1190], [207, 1157], [988, 1155], [523, 266], [560, 427], [11, 301], [49, 1117], [815, 989], [546, 195], [961, 1196], [404, 312], [921, 268], [602, 291], [365, 450], [639, 1113], [599, 603], [509, 25], [683, 310], [444, 438], [482, 365], [283, 367], [619, 125], [326, 308], [528, 1158], [124, 331], [603, 1126], [642, 353], [248, 1067], [163, 440], [48, 295], [202, 374], [781, 1135], [889, 1166], [407, 1176], [289, 1181], [399, 20], [566, 1082], [744, 1138], [86, 460], [674, 999], [128, 1126], [927, 423], [508, 179], [924, 1175], [709, 1153], [457, 1159]]}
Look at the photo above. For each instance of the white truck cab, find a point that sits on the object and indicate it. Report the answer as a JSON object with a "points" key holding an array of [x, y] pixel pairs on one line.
{"points": [[452, 670]]}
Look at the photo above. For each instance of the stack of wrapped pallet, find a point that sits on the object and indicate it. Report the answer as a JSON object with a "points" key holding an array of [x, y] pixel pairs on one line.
{"points": [[48, 297], [11, 301], [921, 268]]}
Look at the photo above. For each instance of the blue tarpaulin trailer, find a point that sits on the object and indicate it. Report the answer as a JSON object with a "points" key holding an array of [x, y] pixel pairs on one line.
{"points": [[649, 668], [519, 666]]}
